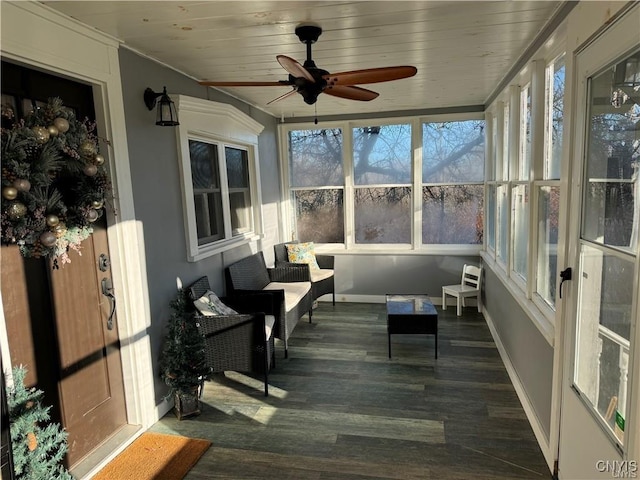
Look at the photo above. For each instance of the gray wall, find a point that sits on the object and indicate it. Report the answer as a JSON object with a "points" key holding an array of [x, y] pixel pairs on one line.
{"points": [[156, 186], [378, 274], [529, 352]]}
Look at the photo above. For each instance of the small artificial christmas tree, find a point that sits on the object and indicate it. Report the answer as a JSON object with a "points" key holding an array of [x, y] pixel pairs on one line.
{"points": [[183, 365], [38, 445]]}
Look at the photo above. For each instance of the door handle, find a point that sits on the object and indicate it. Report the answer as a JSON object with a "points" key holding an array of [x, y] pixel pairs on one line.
{"points": [[564, 275], [107, 291]]}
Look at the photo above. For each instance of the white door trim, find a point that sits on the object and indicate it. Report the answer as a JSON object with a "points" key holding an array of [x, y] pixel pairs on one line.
{"points": [[67, 48], [593, 50]]}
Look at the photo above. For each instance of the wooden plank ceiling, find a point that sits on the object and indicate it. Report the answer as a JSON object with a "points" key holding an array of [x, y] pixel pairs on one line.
{"points": [[462, 50]]}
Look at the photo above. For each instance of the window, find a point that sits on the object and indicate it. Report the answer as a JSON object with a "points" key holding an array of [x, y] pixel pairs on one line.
{"points": [[554, 115], [207, 194], [524, 160], [366, 186], [218, 160], [548, 189], [524, 199], [520, 236], [382, 160], [491, 217], [547, 256], [452, 176], [502, 202], [505, 143], [317, 184]]}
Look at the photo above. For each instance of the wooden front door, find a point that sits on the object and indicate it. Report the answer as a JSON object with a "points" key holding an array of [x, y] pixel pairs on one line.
{"points": [[61, 322]]}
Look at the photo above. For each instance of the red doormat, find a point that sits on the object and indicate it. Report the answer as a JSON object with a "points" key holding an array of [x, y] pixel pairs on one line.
{"points": [[155, 456]]}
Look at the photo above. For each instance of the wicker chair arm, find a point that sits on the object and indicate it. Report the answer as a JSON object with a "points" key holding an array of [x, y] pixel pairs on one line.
{"points": [[211, 326], [289, 274], [272, 307], [252, 302]]}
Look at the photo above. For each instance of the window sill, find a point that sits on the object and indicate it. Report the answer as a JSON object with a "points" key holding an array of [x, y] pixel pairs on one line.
{"points": [[337, 249], [216, 248], [544, 325]]}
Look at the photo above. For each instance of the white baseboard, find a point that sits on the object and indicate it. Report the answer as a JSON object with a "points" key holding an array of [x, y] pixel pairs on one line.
{"points": [[529, 411]]}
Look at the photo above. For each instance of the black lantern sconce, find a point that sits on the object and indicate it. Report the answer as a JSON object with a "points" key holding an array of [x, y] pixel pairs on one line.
{"points": [[166, 115]]}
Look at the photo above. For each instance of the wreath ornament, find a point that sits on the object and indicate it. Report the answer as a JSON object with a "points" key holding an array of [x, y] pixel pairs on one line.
{"points": [[54, 183]]}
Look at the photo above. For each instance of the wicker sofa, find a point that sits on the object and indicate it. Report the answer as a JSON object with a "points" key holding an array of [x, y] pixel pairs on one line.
{"points": [[242, 342], [322, 281], [289, 287]]}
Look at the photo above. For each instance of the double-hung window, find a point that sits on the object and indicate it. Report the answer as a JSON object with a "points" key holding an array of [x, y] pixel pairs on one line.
{"points": [[520, 190], [453, 182], [502, 186], [523, 190], [548, 188], [221, 190], [218, 148], [403, 185], [382, 159], [316, 181]]}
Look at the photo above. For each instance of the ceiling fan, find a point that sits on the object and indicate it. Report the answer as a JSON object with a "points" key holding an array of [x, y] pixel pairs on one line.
{"points": [[310, 81]]}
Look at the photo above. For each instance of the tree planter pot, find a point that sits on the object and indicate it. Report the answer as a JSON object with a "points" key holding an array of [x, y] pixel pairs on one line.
{"points": [[187, 404]]}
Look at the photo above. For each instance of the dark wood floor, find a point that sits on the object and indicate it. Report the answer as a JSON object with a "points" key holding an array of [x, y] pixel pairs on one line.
{"points": [[339, 409]]}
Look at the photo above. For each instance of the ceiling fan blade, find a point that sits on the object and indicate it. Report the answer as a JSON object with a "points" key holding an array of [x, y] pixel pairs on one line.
{"points": [[352, 93], [280, 83], [281, 97], [370, 75], [294, 68]]}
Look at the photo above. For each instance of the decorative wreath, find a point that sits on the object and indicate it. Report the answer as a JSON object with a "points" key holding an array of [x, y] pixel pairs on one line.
{"points": [[54, 183]]}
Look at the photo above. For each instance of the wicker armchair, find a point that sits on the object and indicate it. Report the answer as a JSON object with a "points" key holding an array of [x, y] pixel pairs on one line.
{"points": [[290, 290], [240, 343], [322, 281]]}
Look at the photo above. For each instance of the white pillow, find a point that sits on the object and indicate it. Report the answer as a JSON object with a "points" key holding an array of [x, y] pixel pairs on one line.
{"points": [[210, 305]]}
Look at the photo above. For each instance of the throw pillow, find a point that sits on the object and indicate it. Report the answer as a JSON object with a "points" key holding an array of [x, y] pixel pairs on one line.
{"points": [[303, 253], [210, 305]]}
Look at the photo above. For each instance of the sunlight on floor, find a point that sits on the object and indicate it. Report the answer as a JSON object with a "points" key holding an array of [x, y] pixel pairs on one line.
{"points": [[257, 384]]}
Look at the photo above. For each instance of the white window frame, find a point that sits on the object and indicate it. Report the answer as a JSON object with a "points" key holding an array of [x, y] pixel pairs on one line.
{"points": [[491, 162], [540, 175], [416, 246], [509, 138], [225, 126]]}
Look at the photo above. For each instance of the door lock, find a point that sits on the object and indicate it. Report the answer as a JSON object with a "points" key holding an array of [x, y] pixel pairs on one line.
{"points": [[564, 275], [103, 262]]}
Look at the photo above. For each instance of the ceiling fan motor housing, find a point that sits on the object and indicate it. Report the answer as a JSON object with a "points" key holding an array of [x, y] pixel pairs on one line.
{"points": [[308, 33]]}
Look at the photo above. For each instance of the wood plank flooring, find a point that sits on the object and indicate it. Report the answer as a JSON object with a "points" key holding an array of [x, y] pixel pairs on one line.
{"points": [[340, 409]]}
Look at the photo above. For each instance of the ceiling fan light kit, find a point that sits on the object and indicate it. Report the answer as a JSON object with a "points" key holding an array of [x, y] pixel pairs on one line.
{"points": [[310, 81]]}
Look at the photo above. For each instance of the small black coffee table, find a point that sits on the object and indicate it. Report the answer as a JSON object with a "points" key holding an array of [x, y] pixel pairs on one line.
{"points": [[411, 314]]}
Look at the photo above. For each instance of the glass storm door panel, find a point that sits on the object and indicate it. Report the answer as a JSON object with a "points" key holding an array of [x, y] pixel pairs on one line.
{"points": [[603, 301]]}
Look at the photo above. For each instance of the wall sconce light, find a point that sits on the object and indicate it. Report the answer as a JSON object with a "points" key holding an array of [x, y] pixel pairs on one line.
{"points": [[166, 115]]}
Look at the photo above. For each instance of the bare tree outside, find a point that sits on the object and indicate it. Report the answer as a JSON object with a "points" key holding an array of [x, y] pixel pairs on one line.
{"points": [[382, 158], [315, 161], [382, 180], [320, 215], [383, 215], [453, 176]]}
